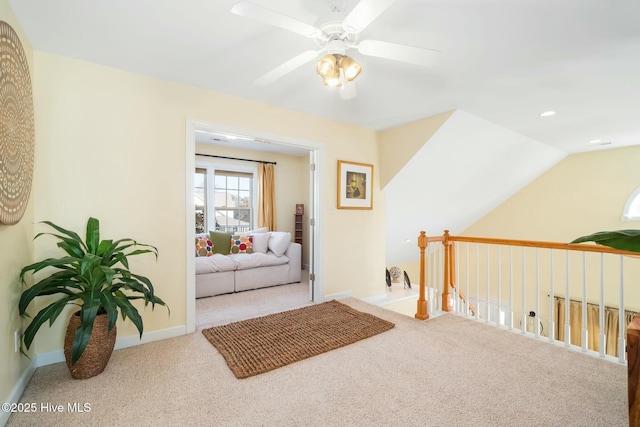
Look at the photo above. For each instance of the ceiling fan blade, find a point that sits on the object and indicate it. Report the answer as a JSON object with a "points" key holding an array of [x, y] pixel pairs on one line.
{"points": [[399, 52], [287, 67], [347, 91], [267, 16], [365, 12]]}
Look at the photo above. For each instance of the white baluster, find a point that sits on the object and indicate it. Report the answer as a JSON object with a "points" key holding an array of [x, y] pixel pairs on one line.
{"points": [[458, 299], [621, 316], [477, 281], [537, 324], [510, 313], [584, 303], [431, 278], [601, 341], [523, 320], [567, 304], [488, 290], [551, 298], [500, 321], [467, 277]]}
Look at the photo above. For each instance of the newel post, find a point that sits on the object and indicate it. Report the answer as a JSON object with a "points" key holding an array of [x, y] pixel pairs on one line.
{"points": [[633, 370], [422, 313], [447, 304]]}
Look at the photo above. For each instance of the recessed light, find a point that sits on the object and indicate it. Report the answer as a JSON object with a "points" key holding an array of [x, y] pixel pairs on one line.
{"points": [[547, 113], [600, 142]]}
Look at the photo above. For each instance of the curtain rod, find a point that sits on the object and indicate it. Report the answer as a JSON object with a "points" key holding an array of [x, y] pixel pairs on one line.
{"points": [[237, 158]]}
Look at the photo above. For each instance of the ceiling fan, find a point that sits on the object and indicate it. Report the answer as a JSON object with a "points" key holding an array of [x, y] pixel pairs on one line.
{"points": [[335, 34]]}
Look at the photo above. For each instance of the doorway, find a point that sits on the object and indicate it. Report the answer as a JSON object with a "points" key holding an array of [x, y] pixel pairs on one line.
{"points": [[316, 242]]}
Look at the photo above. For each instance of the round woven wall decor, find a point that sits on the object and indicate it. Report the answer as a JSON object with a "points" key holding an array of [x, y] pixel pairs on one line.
{"points": [[17, 133]]}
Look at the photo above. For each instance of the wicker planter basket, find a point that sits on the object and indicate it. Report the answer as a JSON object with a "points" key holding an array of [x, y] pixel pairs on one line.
{"points": [[96, 356]]}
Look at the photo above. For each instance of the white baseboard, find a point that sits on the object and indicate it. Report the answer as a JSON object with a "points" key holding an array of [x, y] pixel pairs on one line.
{"points": [[147, 337], [57, 356], [375, 299], [339, 295], [17, 391]]}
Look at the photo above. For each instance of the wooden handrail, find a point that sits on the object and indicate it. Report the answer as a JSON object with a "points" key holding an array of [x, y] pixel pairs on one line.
{"points": [[543, 245], [464, 298]]}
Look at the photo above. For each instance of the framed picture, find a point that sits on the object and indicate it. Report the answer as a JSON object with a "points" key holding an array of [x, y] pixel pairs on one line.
{"points": [[355, 185], [299, 209]]}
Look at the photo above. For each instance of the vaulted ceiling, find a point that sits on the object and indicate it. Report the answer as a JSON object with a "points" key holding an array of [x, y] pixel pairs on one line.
{"points": [[466, 168], [503, 61]]}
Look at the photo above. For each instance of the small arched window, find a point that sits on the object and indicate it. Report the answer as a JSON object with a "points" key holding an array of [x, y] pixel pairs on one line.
{"points": [[632, 207]]}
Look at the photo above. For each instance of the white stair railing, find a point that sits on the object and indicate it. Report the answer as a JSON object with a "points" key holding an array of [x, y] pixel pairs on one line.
{"points": [[497, 281]]}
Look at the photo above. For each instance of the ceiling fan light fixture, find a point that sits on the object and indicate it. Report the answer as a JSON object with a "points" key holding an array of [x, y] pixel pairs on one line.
{"points": [[332, 79], [333, 82], [350, 68], [327, 66], [336, 69]]}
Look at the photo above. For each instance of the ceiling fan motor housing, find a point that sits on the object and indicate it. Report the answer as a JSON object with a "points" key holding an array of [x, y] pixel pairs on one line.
{"points": [[334, 37]]}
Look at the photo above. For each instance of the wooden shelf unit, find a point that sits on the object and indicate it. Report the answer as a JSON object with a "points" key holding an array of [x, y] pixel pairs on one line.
{"points": [[298, 228]]}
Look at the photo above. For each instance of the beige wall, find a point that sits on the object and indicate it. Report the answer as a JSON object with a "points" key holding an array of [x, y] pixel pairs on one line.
{"points": [[16, 251], [112, 145], [291, 181], [584, 193], [398, 145]]}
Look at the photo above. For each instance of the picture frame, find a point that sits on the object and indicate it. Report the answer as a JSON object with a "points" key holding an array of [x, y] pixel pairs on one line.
{"points": [[355, 185], [299, 209]]}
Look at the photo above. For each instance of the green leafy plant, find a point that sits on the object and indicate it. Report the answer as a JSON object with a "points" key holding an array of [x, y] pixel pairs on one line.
{"points": [[628, 240], [93, 275]]}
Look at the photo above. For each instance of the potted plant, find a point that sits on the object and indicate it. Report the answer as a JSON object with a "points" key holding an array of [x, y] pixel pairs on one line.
{"points": [[628, 240], [94, 275]]}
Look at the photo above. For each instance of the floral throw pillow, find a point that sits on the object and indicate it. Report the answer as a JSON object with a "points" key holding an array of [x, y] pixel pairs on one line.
{"points": [[204, 246], [241, 244]]}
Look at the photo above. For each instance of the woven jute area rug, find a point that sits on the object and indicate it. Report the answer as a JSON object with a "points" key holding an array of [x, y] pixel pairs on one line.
{"points": [[255, 346]]}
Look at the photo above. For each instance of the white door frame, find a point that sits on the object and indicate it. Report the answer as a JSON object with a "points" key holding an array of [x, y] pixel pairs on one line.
{"points": [[315, 209]]}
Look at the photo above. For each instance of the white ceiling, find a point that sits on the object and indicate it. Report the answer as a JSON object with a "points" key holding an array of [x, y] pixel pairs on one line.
{"points": [[504, 61], [246, 142]]}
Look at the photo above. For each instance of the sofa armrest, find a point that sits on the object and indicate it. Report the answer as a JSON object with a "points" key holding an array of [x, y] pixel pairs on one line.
{"points": [[294, 253]]}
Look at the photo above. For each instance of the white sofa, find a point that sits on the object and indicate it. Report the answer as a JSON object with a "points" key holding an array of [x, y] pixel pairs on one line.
{"points": [[222, 274]]}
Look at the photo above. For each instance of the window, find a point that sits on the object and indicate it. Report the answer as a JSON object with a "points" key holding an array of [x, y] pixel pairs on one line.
{"points": [[224, 198], [233, 201], [632, 207], [200, 200]]}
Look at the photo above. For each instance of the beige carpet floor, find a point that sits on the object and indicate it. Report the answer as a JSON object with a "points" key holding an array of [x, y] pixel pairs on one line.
{"points": [[447, 371]]}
